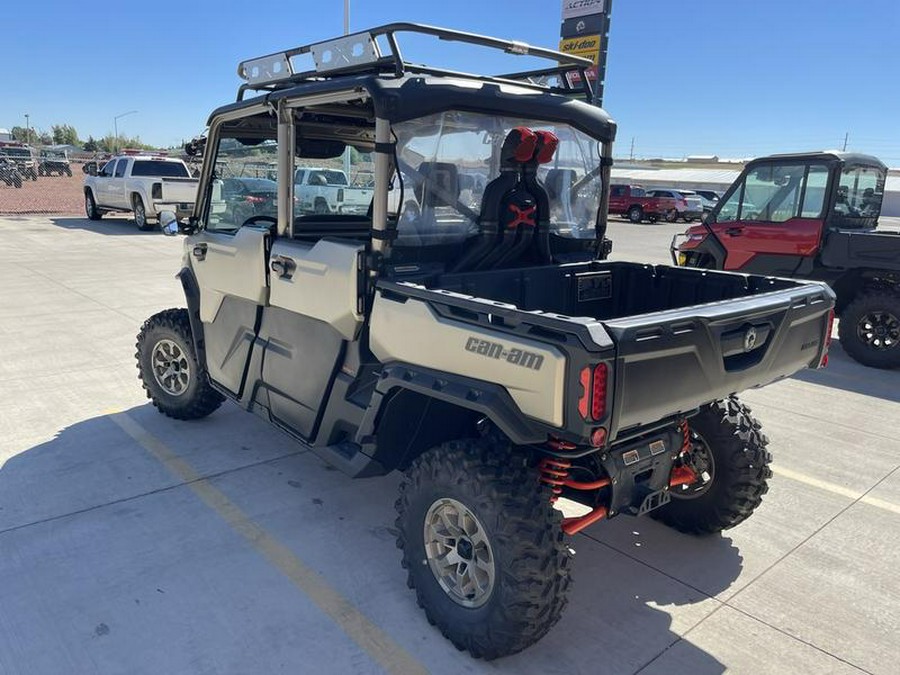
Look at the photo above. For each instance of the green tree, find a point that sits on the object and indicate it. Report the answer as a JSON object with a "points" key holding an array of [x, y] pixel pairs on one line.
{"points": [[20, 134], [65, 134], [90, 145]]}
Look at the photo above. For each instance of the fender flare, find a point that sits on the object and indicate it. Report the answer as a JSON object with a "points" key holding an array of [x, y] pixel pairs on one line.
{"points": [[491, 400], [192, 298]]}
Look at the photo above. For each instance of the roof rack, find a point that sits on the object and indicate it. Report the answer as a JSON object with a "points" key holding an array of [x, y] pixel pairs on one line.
{"points": [[360, 53]]}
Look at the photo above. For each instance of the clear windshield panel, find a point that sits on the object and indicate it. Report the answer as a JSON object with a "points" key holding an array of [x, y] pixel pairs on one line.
{"points": [[447, 160], [860, 192]]}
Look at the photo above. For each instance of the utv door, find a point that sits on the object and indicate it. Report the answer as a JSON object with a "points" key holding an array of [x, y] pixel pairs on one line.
{"points": [[315, 308], [230, 267], [773, 220]]}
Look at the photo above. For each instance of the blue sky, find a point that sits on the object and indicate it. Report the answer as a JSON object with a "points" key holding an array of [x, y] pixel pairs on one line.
{"points": [[730, 77]]}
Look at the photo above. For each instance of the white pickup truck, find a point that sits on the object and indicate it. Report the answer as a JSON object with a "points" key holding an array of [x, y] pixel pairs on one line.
{"points": [[144, 184], [319, 190]]}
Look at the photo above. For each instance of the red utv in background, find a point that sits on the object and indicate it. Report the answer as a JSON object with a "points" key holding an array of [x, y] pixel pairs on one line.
{"points": [[812, 216]]}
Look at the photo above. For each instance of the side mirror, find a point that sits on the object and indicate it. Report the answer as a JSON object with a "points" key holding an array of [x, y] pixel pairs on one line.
{"points": [[168, 223]]}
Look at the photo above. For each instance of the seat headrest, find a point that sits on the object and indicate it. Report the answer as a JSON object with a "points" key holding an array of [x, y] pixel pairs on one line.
{"points": [[547, 142], [518, 146], [439, 185]]}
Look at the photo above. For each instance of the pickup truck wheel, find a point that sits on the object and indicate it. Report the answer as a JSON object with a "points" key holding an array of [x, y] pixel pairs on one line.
{"points": [[730, 449], [869, 330], [320, 206], [483, 546], [635, 214], [140, 214], [90, 206], [175, 381]]}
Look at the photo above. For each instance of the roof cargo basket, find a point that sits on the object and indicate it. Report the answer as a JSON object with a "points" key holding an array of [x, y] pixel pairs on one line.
{"points": [[360, 53]]}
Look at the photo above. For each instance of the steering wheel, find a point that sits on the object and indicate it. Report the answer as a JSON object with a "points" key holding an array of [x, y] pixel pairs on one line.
{"points": [[252, 220]]}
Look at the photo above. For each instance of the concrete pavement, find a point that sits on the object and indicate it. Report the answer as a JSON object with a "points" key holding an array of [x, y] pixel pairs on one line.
{"points": [[132, 543]]}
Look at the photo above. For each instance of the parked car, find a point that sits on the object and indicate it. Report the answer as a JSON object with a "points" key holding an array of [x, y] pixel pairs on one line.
{"points": [[248, 197], [636, 204], [687, 204], [322, 190], [54, 163], [143, 183]]}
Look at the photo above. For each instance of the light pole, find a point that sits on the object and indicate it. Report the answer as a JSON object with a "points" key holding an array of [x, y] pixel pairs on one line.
{"points": [[116, 127], [27, 128]]}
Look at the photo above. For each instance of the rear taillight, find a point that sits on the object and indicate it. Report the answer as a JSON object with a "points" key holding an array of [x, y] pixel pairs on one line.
{"points": [[340, 194], [250, 199], [156, 191], [592, 402], [826, 340]]}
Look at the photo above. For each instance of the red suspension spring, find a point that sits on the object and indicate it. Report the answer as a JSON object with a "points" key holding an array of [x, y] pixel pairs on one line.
{"points": [[686, 443], [554, 472]]}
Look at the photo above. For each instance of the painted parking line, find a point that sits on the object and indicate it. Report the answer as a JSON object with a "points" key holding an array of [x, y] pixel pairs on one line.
{"points": [[836, 489], [370, 638]]}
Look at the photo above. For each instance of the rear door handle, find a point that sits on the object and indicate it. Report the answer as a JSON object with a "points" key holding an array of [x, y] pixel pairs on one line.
{"points": [[735, 231], [199, 251], [283, 266]]}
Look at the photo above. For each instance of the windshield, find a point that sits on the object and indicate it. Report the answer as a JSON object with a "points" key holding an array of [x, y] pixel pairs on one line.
{"points": [[447, 161], [159, 167]]}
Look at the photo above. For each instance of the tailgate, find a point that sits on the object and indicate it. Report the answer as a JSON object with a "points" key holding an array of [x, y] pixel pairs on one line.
{"points": [[179, 189], [674, 361]]}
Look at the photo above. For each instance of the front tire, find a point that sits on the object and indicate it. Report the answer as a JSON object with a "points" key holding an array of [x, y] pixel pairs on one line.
{"points": [[730, 447], [90, 206], [636, 214], [168, 368], [483, 546], [869, 329]]}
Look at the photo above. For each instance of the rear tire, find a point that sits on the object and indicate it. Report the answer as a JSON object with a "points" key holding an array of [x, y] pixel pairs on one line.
{"points": [[320, 206], [869, 329], [90, 206], [636, 214], [671, 216], [140, 214], [504, 523], [17, 179], [168, 368], [739, 471]]}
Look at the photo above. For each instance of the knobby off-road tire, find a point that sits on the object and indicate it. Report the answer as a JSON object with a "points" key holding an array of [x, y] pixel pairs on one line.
{"points": [[90, 207], [869, 329], [509, 510], [175, 382], [739, 470]]}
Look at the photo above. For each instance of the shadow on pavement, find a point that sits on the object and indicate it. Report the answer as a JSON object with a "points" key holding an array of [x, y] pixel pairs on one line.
{"points": [[109, 225], [111, 563], [844, 373]]}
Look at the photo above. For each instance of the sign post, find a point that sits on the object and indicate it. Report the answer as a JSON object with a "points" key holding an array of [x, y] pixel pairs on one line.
{"points": [[584, 31]]}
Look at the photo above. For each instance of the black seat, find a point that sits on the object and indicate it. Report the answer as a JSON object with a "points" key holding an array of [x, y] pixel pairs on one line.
{"points": [[538, 230], [504, 202]]}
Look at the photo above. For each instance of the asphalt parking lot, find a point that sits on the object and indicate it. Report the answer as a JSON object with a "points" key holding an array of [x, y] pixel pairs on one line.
{"points": [[133, 543]]}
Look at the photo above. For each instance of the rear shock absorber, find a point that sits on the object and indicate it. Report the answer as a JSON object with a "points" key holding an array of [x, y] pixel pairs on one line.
{"points": [[684, 475], [555, 473]]}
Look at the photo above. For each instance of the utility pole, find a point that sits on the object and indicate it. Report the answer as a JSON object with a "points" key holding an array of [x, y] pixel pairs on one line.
{"points": [[846, 138], [631, 154], [27, 129]]}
